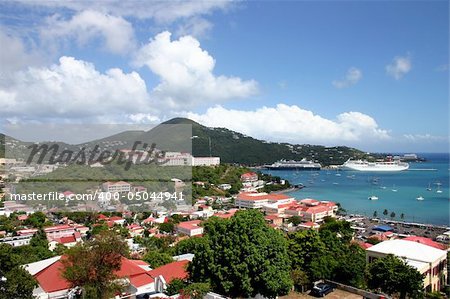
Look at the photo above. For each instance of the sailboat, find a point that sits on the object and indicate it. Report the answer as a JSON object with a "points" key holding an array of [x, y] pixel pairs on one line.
{"points": [[429, 187], [439, 190], [394, 189], [373, 197], [420, 198]]}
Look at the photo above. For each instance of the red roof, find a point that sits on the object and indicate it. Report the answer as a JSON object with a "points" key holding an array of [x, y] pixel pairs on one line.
{"points": [[50, 278], [426, 241], [262, 196], [58, 228], [190, 225], [116, 218], [272, 217], [102, 217], [149, 220], [171, 271]]}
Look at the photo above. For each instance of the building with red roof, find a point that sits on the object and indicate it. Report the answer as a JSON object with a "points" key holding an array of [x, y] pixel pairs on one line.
{"points": [[312, 210], [190, 228], [426, 241], [258, 200], [249, 177], [116, 187], [68, 241], [165, 274], [48, 274]]}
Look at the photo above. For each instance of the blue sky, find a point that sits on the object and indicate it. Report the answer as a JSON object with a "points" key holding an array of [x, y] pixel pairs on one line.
{"points": [[369, 74]]}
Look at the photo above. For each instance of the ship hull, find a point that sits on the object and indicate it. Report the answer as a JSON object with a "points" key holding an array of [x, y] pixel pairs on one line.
{"points": [[292, 168], [375, 168]]}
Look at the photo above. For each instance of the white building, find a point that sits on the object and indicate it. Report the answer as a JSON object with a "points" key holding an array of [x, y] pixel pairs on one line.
{"points": [[17, 240], [205, 161], [259, 200], [429, 261], [190, 228], [116, 187]]}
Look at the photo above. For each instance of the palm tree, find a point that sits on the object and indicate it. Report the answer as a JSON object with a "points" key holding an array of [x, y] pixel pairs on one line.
{"points": [[393, 215], [385, 212], [375, 214], [402, 216]]}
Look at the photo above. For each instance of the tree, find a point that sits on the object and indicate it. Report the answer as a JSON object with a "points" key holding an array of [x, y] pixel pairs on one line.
{"points": [[300, 279], [394, 276], [175, 286], [385, 212], [167, 227], [37, 219], [242, 256], [375, 214], [19, 283], [157, 259], [189, 245], [392, 214], [402, 216], [196, 290], [295, 220], [92, 265]]}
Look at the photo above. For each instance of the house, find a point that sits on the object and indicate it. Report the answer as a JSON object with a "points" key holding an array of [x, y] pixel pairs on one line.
{"points": [[113, 187], [67, 241], [429, 261], [312, 210], [258, 200], [226, 214], [426, 241], [249, 177], [224, 186], [59, 231], [17, 241], [51, 284], [308, 225], [135, 230], [165, 274], [117, 220], [205, 161], [190, 228], [274, 219]]}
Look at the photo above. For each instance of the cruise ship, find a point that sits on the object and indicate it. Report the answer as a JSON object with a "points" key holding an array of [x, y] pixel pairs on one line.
{"points": [[292, 164], [362, 165]]}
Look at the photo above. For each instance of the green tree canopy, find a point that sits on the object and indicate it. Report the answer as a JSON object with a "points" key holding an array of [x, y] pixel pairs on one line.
{"points": [[242, 256], [394, 276], [157, 259], [91, 265]]}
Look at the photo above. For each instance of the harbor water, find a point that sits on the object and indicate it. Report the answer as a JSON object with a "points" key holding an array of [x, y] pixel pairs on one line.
{"points": [[397, 192]]}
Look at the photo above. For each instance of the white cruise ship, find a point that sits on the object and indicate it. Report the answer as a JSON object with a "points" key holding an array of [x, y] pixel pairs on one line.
{"points": [[362, 165], [298, 165]]}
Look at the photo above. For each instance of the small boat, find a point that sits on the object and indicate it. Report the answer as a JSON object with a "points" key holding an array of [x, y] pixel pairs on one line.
{"points": [[373, 197], [438, 190], [394, 189], [383, 187], [429, 187], [420, 198]]}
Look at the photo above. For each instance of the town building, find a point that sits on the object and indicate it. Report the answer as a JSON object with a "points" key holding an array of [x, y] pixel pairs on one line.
{"points": [[312, 210], [113, 187], [205, 161], [429, 261], [190, 228], [17, 241], [259, 200]]}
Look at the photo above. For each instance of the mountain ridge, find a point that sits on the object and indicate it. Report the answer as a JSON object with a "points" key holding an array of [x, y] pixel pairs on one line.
{"points": [[177, 134]]}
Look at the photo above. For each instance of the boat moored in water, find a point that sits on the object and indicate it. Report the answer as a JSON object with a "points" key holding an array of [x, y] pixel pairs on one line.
{"points": [[292, 164], [363, 165]]}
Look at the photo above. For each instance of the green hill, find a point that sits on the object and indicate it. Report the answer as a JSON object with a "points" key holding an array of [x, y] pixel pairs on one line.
{"points": [[178, 134]]}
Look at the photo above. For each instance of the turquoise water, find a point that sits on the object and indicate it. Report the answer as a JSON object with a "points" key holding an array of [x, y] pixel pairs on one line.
{"points": [[352, 189]]}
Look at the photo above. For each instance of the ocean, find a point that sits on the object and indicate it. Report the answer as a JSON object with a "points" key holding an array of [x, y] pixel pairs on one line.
{"points": [[397, 192]]}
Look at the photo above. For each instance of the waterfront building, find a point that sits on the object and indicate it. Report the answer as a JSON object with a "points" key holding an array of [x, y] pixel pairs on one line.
{"points": [[429, 261]]}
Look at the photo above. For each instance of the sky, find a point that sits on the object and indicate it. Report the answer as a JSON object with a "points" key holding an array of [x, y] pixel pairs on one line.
{"points": [[367, 74]]}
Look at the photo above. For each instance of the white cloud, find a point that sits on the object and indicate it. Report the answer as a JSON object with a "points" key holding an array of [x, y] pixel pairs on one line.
{"points": [[400, 66], [117, 33], [424, 137], [14, 55], [186, 73], [160, 11], [296, 125], [196, 26], [351, 78], [73, 89]]}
